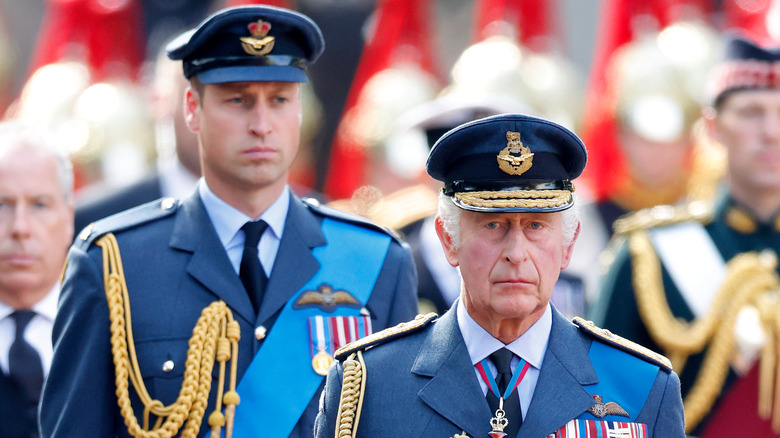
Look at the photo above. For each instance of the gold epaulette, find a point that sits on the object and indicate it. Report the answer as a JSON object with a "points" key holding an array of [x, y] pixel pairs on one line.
{"points": [[662, 215], [386, 335], [621, 343]]}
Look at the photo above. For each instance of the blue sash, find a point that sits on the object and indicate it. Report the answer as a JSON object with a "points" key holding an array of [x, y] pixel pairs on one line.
{"points": [[280, 382], [618, 371]]}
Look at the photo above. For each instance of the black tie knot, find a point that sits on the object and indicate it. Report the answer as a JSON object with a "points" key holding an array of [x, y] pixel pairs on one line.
{"points": [[502, 359], [22, 318], [252, 232]]}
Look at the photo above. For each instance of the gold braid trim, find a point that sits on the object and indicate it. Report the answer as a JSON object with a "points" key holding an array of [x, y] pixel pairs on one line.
{"points": [[516, 198], [352, 390], [215, 335], [749, 278]]}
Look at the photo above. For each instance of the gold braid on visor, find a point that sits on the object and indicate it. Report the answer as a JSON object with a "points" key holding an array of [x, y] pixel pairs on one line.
{"points": [[516, 198]]}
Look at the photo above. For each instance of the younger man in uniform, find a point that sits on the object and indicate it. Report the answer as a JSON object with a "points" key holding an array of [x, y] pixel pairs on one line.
{"points": [[279, 282]]}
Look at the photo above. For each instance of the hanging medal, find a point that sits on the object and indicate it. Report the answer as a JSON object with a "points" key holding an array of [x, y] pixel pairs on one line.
{"points": [[499, 420], [321, 340]]}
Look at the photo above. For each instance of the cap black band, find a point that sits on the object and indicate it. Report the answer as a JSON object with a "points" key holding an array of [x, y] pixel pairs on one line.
{"points": [[496, 186], [195, 66]]}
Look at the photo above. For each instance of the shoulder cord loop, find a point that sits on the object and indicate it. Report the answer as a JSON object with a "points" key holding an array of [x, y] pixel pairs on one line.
{"points": [[352, 390], [750, 280], [215, 330]]}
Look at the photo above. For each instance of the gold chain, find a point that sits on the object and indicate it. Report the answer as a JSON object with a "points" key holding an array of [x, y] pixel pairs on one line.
{"points": [[215, 335], [749, 277]]}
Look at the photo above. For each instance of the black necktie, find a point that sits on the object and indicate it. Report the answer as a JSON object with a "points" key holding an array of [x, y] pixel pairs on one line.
{"points": [[502, 359], [251, 271], [24, 363]]}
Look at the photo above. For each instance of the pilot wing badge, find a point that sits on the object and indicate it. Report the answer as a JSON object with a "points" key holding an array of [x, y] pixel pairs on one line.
{"points": [[259, 43], [326, 299]]}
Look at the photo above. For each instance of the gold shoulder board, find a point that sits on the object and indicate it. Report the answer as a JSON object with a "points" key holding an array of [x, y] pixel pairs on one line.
{"points": [[662, 215], [621, 343], [388, 334]]}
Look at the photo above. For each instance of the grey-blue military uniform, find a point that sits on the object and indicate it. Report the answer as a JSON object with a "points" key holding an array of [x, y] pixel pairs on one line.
{"points": [[175, 266], [420, 382], [422, 378]]}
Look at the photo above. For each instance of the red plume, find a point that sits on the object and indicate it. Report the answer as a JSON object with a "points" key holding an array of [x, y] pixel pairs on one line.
{"points": [[106, 36], [618, 22], [399, 24]]}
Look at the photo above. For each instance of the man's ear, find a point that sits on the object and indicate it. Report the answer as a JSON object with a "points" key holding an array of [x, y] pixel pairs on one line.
{"points": [[450, 250], [191, 107], [569, 250]]}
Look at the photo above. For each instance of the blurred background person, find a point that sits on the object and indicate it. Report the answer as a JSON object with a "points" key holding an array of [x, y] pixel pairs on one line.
{"points": [[177, 166], [36, 228], [692, 282]]}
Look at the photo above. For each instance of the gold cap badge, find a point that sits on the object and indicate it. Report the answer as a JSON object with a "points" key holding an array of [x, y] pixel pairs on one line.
{"points": [[259, 43], [515, 159]]}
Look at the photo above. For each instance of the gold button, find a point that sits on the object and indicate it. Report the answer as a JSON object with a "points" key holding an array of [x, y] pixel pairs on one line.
{"points": [[260, 333], [168, 366]]}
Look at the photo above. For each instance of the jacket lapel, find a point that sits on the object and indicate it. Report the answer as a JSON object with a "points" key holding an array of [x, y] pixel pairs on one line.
{"points": [[295, 264], [445, 359], [559, 396], [209, 265]]}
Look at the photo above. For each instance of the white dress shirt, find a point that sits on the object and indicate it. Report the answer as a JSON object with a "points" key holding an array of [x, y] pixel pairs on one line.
{"points": [[228, 221], [531, 346], [37, 333]]}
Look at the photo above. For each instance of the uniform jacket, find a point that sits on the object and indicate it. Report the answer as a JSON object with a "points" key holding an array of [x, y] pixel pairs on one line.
{"points": [[617, 308], [146, 190], [175, 266], [423, 384], [17, 419]]}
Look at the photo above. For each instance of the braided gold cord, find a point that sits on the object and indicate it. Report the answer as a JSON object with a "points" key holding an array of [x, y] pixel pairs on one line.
{"points": [[214, 329], [516, 198], [351, 400], [749, 277]]}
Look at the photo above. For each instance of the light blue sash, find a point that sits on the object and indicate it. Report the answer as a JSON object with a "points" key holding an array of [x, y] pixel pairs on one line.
{"points": [[623, 379], [280, 381]]}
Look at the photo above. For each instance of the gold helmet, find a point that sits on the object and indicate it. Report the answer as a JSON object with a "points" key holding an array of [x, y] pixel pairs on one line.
{"points": [[499, 66], [658, 80]]}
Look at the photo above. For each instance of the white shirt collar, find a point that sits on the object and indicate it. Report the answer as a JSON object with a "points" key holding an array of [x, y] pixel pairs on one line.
{"points": [[228, 220], [531, 345]]}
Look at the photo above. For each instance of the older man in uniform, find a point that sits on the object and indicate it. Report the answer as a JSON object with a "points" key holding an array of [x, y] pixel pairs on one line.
{"points": [[239, 293], [502, 361], [691, 280]]}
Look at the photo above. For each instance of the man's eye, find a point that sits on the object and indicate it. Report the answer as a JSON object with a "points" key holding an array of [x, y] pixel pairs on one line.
{"points": [[493, 225]]}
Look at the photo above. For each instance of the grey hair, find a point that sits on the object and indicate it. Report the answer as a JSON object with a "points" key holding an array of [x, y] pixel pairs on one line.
{"points": [[16, 133], [449, 213]]}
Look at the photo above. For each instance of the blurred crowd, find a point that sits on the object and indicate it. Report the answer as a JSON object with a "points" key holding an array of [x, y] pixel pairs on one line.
{"points": [[384, 92]]}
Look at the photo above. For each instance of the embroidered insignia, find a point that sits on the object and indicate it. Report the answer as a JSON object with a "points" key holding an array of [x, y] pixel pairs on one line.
{"points": [[461, 435], [259, 43], [326, 299], [515, 159], [601, 409]]}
